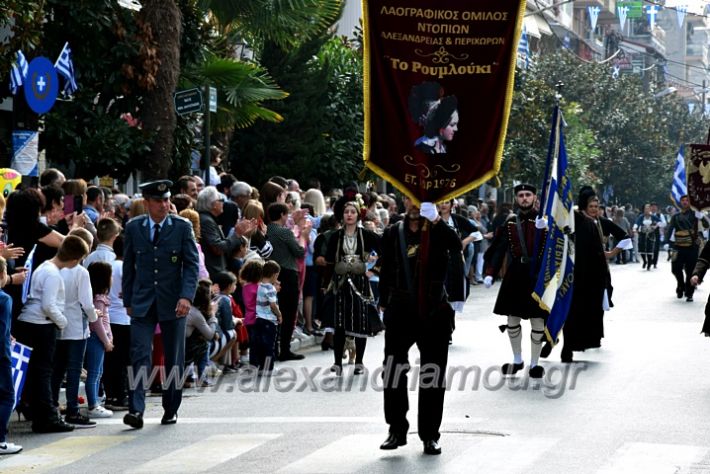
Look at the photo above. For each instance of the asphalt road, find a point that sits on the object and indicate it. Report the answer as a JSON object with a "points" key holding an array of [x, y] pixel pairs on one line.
{"points": [[639, 404]]}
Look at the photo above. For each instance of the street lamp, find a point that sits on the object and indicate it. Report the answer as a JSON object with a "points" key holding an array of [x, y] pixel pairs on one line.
{"points": [[665, 92], [243, 52]]}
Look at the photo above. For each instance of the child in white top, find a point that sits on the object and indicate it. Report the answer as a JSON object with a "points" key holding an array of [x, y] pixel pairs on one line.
{"points": [[37, 328], [71, 343], [268, 316]]}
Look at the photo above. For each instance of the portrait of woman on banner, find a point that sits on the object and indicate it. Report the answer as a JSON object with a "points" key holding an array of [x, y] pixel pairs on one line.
{"points": [[437, 115]]}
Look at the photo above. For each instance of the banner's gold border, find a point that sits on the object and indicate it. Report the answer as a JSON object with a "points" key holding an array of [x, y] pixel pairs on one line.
{"points": [[510, 86]]}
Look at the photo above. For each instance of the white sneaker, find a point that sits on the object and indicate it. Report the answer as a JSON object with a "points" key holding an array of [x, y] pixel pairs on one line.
{"points": [[99, 412], [9, 448]]}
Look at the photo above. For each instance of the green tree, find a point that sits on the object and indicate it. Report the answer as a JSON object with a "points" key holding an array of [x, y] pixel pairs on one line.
{"points": [[618, 134]]}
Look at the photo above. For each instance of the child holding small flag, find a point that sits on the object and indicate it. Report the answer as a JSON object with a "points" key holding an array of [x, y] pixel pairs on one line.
{"points": [[7, 389]]}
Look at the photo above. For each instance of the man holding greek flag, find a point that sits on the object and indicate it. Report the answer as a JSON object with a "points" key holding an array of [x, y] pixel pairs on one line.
{"points": [[553, 290]]}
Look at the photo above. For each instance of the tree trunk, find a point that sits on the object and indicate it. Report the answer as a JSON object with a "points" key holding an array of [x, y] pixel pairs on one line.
{"points": [[158, 112]]}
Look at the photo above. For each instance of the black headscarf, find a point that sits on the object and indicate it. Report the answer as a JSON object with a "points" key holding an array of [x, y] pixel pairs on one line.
{"points": [[586, 194]]}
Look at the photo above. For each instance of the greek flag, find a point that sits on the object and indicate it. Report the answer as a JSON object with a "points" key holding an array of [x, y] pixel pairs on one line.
{"points": [[18, 72], [553, 290], [29, 263], [65, 68], [679, 188], [524, 50], [20, 360]]}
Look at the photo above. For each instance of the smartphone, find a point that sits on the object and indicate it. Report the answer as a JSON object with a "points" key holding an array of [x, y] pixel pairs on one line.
{"points": [[73, 204], [78, 204]]}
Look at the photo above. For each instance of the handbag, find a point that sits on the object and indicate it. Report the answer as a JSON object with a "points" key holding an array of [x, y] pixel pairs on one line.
{"points": [[374, 321]]}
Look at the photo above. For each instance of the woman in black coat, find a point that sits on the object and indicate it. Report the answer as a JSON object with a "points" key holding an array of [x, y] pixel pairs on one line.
{"points": [[584, 327]]}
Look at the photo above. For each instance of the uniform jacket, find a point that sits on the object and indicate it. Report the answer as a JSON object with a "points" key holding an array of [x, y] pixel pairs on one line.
{"points": [[162, 273]]}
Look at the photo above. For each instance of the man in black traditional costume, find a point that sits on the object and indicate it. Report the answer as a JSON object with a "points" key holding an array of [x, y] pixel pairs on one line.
{"points": [[413, 268], [516, 253], [684, 229]]}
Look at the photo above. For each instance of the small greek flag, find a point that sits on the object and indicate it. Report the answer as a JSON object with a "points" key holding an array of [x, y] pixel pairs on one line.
{"points": [[65, 68], [524, 50], [29, 263], [18, 72], [679, 187], [20, 360]]}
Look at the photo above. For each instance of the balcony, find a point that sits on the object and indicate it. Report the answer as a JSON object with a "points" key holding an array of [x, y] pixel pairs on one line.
{"points": [[641, 33], [696, 52]]}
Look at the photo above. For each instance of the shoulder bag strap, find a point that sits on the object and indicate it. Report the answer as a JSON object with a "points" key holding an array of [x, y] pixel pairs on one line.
{"points": [[405, 260]]}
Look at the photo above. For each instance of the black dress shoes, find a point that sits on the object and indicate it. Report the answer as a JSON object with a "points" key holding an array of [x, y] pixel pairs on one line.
{"points": [[432, 447], [134, 420], [290, 356], [169, 419], [53, 426], [511, 369], [393, 442], [567, 356]]}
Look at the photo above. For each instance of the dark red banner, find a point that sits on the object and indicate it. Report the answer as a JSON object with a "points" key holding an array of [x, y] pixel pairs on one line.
{"points": [[697, 172], [438, 89]]}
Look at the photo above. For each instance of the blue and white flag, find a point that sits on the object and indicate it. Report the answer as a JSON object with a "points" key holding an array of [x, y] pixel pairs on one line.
{"points": [[65, 68], [679, 187], [680, 11], [553, 290], [524, 50], [652, 12], [623, 12], [594, 16], [28, 277], [20, 360], [18, 72]]}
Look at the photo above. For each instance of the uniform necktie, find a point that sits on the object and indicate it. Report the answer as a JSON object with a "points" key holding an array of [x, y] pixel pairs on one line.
{"points": [[156, 234]]}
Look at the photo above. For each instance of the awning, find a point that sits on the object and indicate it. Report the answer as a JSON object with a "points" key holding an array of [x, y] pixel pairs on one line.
{"points": [[531, 26], [542, 25]]}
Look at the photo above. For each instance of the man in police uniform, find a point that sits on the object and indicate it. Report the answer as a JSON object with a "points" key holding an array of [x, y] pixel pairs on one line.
{"points": [[160, 273]]}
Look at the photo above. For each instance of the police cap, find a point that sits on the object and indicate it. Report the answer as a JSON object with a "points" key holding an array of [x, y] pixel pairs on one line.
{"points": [[156, 189]]}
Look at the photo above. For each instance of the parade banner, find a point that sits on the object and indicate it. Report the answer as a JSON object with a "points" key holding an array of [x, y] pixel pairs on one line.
{"points": [[438, 90], [697, 170], [555, 282]]}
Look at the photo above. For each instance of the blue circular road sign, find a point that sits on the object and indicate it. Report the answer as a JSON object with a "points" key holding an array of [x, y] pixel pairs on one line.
{"points": [[41, 85]]}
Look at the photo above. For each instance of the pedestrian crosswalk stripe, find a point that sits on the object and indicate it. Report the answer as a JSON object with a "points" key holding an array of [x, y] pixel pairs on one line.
{"points": [[60, 453], [206, 454], [347, 454], [493, 454], [280, 420], [651, 458]]}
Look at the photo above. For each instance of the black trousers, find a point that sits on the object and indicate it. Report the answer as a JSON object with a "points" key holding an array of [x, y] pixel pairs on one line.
{"points": [[42, 338], [684, 261], [288, 305], [116, 363], [433, 343]]}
